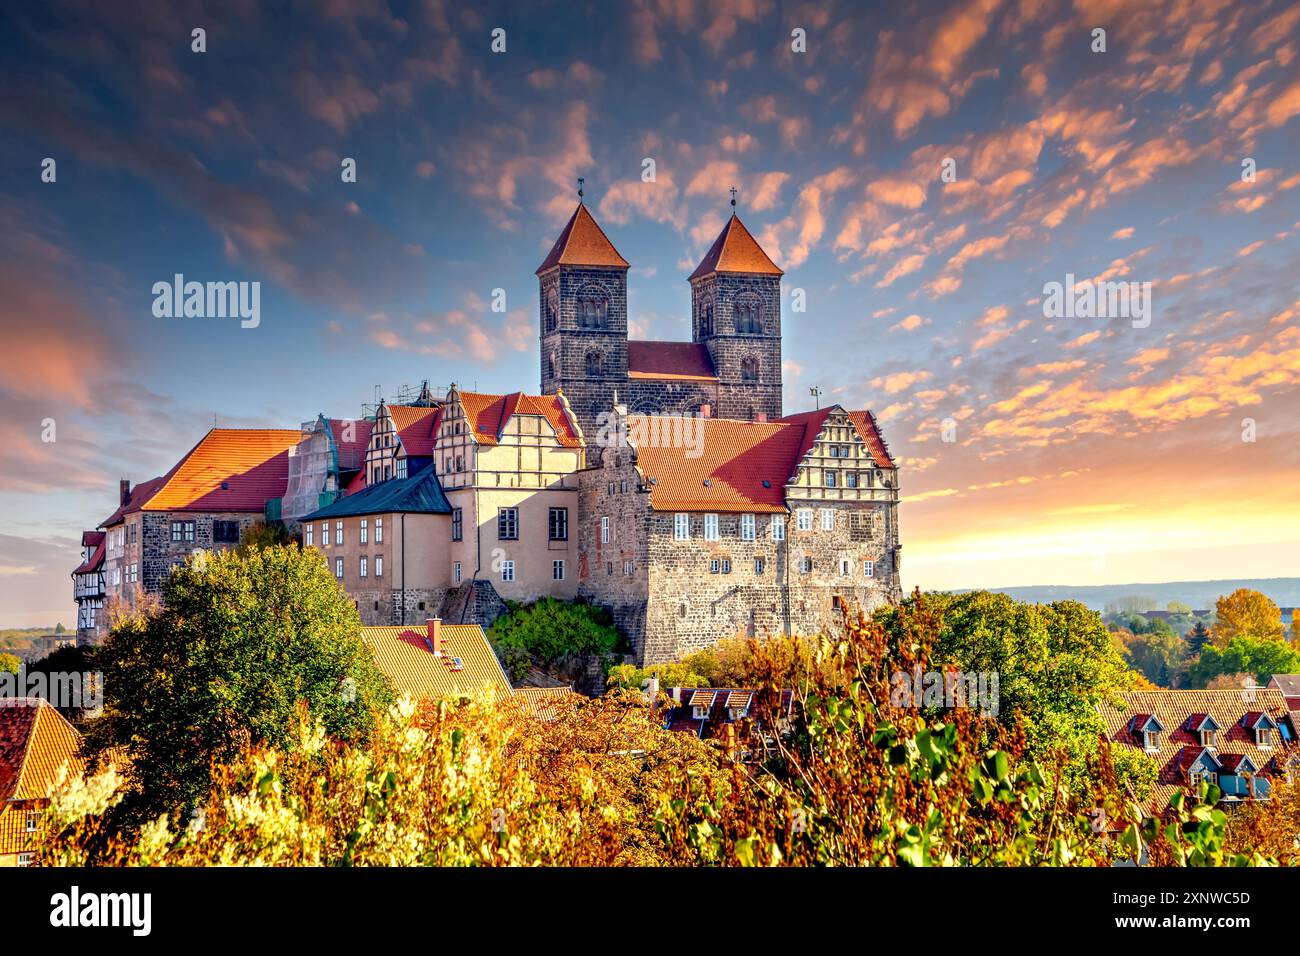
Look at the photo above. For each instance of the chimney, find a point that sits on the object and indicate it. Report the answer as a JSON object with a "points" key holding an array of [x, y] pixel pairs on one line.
{"points": [[434, 626], [706, 411], [762, 418], [123, 491]]}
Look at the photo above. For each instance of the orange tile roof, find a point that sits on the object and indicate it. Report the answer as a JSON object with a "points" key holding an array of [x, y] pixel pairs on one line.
{"points": [[230, 469], [35, 741], [488, 415], [865, 423], [1179, 746], [546, 703], [734, 457], [582, 243], [417, 427], [670, 360], [404, 656], [735, 250], [137, 498]]}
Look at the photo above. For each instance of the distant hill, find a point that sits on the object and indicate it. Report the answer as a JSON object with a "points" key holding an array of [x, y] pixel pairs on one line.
{"points": [[1284, 592]]}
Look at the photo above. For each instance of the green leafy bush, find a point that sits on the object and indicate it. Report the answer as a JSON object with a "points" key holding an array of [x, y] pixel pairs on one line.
{"points": [[549, 630]]}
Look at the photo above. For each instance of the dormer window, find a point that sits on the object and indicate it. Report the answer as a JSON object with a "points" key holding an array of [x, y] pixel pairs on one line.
{"points": [[1148, 729], [1208, 738], [1150, 741], [1264, 728], [698, 712], [1264, 737]]}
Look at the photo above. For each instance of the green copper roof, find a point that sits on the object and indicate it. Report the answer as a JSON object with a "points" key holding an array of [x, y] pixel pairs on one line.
{"points": [[419, 494]]}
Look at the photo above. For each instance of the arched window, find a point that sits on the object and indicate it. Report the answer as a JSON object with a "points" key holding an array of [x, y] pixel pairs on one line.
{"points": [[595, 365], [593, 309], [550, 365], [749, 369], [552, 310], [747, 317], [706, 320]]}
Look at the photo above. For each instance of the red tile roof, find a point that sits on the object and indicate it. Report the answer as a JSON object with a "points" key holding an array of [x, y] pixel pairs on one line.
{"points": [[1178, 747], [488, 415], [230, 469], [90, 539], [865, 423], [417, 427], [670, 360], [735, 458], [35, 741], [136, 499], [735, 250], [352, 454], [582, 243], [96, 559]]}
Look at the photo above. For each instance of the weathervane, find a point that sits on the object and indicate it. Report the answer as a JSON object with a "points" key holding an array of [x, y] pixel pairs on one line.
{"points": [[581, 180], [816, 393], [733, 197]]}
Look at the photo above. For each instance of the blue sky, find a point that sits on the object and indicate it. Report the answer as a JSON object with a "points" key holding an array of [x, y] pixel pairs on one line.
{"points": [[1085, 451]]}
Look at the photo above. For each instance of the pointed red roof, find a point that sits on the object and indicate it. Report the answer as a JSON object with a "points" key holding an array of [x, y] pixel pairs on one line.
{"points": [[735, 250], [582, 243], [487, 415]]}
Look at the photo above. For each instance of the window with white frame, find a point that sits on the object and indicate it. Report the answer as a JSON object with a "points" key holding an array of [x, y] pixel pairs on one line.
{"points": [[804, 517], [778, 528], [747, 523], [507, 570], [365, 531], [338, 568], [338, 532], [828, 519], [845, 568], [379, 565], [759, 565], [455, 572], [627, 569], [604, 529], [681, 526], [869, 569], [363, 569], [557, 570], [806, 565], [715, 566], [710, 527], [508, 524], [379, 531], [307, 536]]}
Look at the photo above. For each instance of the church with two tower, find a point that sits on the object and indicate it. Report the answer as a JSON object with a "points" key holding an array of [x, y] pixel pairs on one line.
{"points": [[731, 368]]}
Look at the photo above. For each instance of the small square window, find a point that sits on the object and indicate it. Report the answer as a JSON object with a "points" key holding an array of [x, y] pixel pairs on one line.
{"points": [[557, 571], [507, 570]]}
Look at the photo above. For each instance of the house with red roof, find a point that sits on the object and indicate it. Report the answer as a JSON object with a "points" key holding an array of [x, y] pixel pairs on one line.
{"points": [[218, 490], [695, 528], [36, 743], [88, 588]]}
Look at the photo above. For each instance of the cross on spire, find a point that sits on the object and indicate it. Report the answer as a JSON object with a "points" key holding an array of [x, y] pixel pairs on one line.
{"points": [[733, 197], [581, 180]]}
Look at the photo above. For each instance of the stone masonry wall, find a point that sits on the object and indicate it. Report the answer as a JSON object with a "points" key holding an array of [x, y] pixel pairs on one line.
{"points": [[159, 553]]}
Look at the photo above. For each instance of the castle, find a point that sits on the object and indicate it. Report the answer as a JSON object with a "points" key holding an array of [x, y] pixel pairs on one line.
{"points": [[661, 480]]}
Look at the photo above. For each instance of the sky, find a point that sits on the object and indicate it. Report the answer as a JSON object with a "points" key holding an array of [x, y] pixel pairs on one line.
{"points": [[921, 171]]}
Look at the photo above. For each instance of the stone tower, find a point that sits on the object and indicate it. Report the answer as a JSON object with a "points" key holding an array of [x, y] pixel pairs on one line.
{"points": [[583, 286], [736, 314]]}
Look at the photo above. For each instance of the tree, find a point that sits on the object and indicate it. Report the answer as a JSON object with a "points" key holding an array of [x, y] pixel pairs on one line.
{"points": [[240, 640], [9, 663], [263, 535], [1247, 613], [1055, 662], [1260, 657], [550, 630], [60, 629], [1157, 656], [1197, 638]]}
